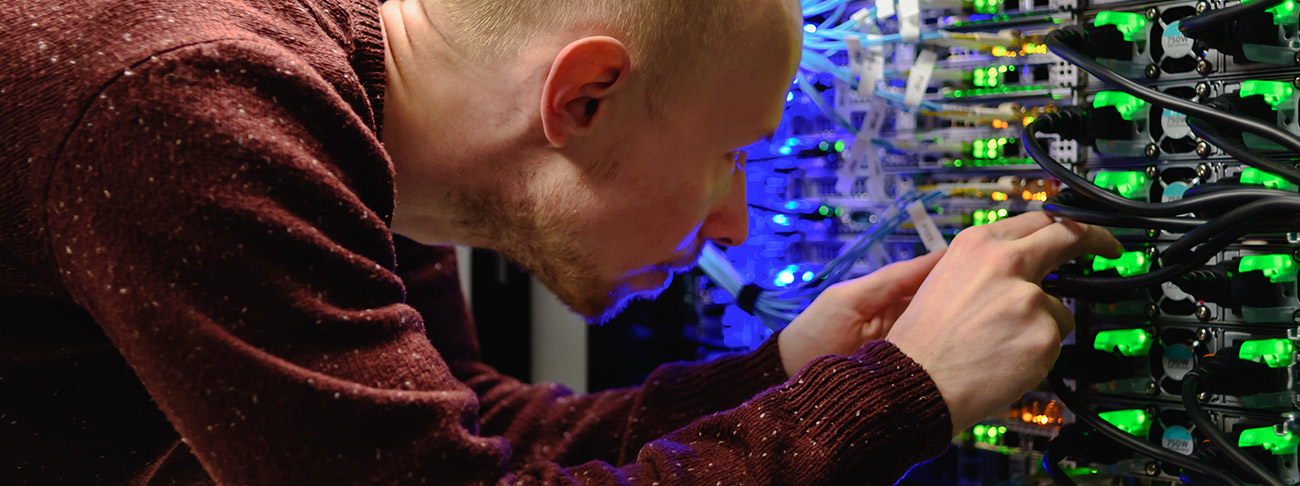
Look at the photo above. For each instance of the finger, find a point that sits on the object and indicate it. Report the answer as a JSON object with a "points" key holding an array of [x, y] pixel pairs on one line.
{"points": [[1061, 315], [1055, 244], [1019, 226], [891, 283]]}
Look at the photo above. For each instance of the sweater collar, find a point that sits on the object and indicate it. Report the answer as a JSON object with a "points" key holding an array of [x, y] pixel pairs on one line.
{"points": [[368, 56]]}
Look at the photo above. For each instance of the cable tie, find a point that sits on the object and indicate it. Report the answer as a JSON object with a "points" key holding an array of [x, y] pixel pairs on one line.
{"points": [[748, 298]]}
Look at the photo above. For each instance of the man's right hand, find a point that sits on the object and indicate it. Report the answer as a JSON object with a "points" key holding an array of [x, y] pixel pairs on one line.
{"points": [[981, 325]]}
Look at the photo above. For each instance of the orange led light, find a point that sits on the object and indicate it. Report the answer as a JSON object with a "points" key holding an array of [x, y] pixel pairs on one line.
{"points": [[999, 124], [999, 196], [1028, 196]]}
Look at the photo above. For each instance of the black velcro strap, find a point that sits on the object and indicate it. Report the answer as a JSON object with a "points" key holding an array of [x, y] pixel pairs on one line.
{"points": [[748, 297]]}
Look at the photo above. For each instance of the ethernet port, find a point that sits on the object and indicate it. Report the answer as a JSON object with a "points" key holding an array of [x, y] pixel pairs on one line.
{"points": [[1011, 77], [1042, 73]]}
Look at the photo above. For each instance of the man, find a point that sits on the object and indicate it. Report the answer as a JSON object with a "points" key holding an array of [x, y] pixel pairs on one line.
{"points": [[216, 186]]}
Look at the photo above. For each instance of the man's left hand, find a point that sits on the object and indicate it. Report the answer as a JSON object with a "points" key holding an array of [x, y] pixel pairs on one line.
{"points": [[851, 314]]}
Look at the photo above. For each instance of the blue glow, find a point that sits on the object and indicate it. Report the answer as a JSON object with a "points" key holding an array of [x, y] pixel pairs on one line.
{"points": [[785, 150], [792, 205], [789, 97], [809, 28], [784, 278], [808, 276], [781, 219]]}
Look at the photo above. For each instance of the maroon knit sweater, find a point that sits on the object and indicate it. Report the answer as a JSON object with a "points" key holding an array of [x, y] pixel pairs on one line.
{"points": [[194, 211]]}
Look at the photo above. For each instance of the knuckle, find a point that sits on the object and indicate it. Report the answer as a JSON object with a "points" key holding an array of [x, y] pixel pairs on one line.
{"points": [[972, 237], [1046, 341], [1032, 295]]}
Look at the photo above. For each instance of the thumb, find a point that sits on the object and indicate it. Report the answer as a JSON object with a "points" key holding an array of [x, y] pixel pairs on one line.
{"points": [[891, 283]]}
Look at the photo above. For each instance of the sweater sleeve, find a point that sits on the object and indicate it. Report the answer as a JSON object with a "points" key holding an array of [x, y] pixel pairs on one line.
{"points": [[548, 422], [222, 215]]}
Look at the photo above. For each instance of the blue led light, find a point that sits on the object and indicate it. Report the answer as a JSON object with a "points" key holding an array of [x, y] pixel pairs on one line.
{"points": [[807, 276], [810, 28], [789, 97], [781, 219], [786, 150], [792, 205], [784, 278]]}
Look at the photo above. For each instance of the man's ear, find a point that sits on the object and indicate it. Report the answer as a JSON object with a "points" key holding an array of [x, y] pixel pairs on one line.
{"points": [[579, 84]]}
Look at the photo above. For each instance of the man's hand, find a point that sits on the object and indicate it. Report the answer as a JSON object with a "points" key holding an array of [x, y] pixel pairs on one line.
{"points": [[981, 325], [853, 313]]}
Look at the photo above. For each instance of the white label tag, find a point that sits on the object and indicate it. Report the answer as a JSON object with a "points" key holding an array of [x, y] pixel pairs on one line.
{"points": [[857, 55], [868, 64], [919, 79], [909, 20], [925, 227], [864, 157], [884, 9], [875, 71], [861, 16], [875, 118]]}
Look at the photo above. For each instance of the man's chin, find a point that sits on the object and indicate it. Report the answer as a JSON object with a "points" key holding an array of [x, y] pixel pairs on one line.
{"points": [[645, 286]]}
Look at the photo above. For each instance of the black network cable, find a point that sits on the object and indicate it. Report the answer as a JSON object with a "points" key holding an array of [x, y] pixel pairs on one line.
{"points": [[1191, 386], [1120, 220], [1089, 417], [1243, 153], [1053, 454], [1190, 27], [1071, 122], [1276, 215], [1061, 42]]}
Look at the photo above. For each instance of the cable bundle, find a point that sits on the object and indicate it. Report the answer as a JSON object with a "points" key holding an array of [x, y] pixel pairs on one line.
{"points": [[777, 307]]}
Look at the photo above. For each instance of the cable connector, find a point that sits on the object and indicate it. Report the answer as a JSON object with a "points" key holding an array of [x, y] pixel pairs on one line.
{"points": [[1070, 123], [1225, 373]]}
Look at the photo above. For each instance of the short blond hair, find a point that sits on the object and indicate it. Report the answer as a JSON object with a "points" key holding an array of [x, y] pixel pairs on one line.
{"points": [[662, 36]]}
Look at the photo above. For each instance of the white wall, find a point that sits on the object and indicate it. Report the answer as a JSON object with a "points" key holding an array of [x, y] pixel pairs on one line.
{"points": [[559, 341]]}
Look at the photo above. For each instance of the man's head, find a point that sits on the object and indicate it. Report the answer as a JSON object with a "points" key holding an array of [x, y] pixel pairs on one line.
{"points": [[594, 141]]}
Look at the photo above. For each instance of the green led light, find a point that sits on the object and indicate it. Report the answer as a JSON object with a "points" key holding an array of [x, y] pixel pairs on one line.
{"points": [[992, 91], [988, 434], [1274, 92], [1276, 353], [1127, 23], [1080, 471], [988, 148], [839, 146], [824, 211], [1127, 265], [1129, 342], [1135, 422], [824, 146], [1278, 268], [1277, 444], [1127, 104], [990, 216], [1283, 14], [986, 6], [1131, 185], [1255, 176]]}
